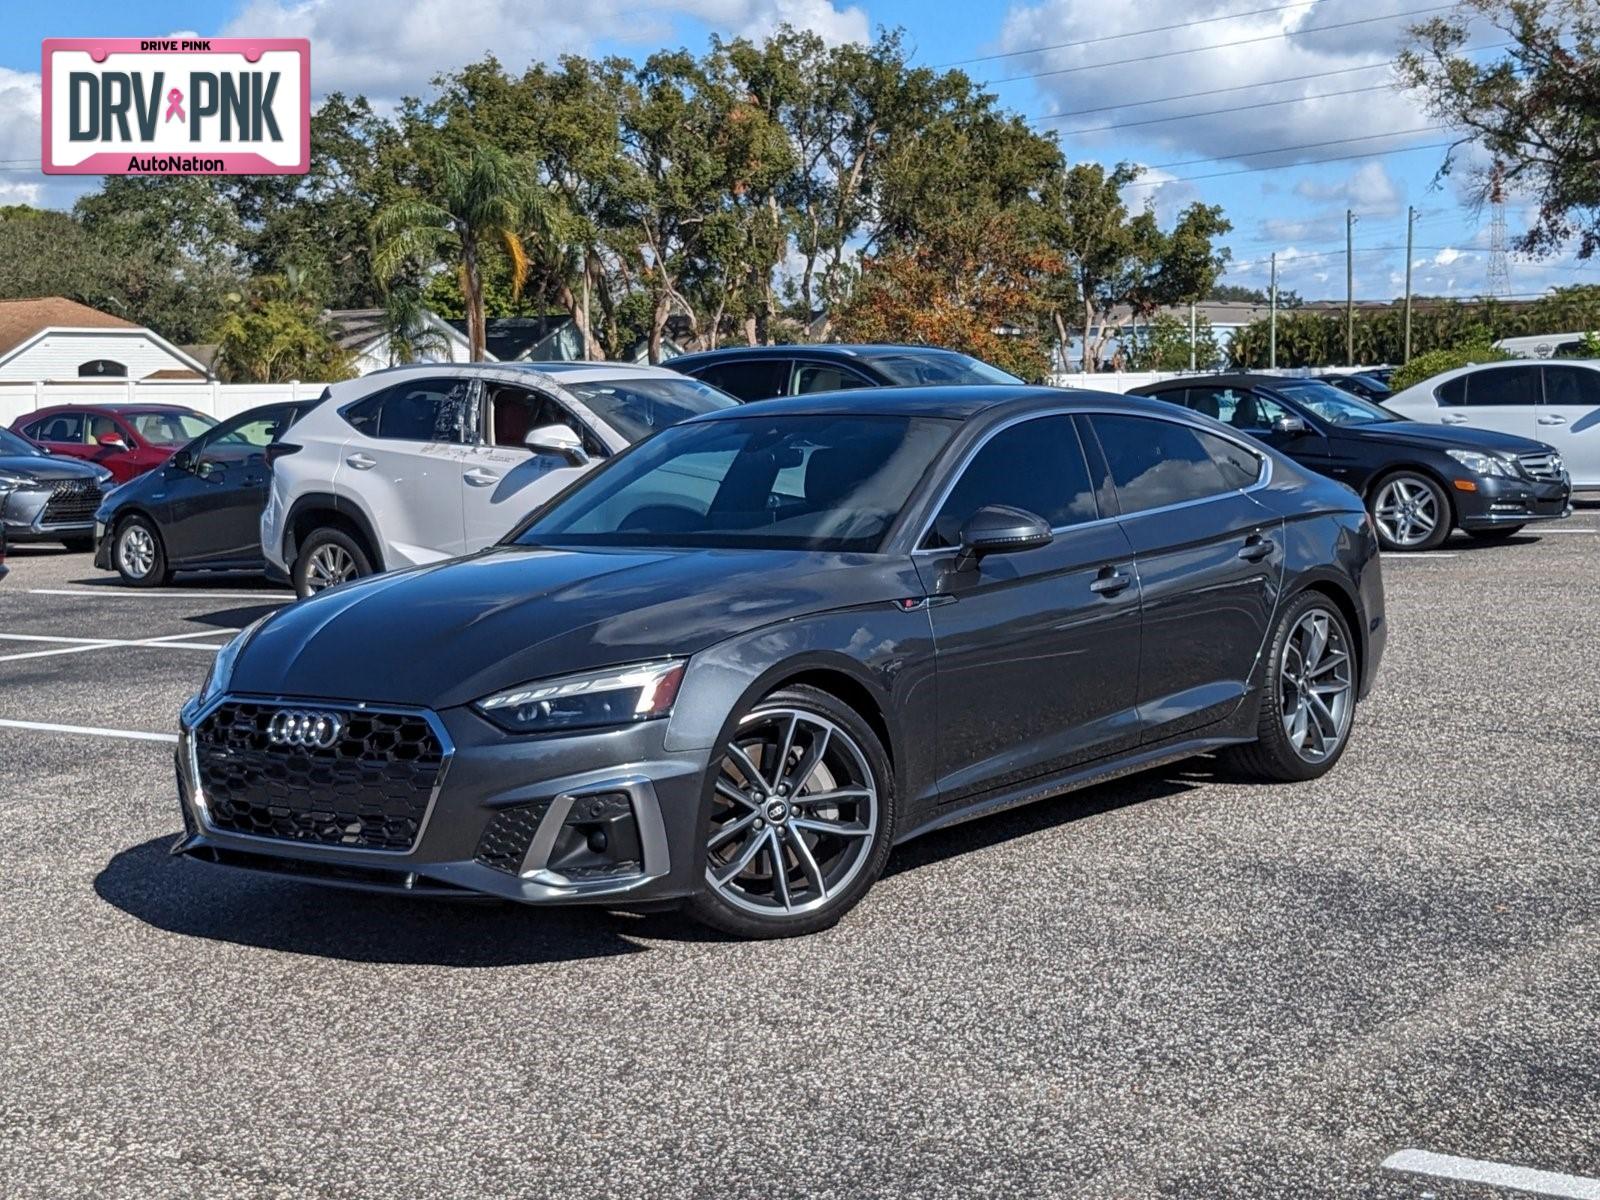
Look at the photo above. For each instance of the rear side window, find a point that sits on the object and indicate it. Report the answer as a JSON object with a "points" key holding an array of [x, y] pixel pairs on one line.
{"points": [[62, 427], [424, 410], [1452, 393], [1240, 467], [760, 380], [1156, 463], [1574, 387], [1037, 466], [1504, 387]]}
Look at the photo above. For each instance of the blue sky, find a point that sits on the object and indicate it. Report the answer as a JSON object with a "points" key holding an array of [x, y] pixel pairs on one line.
{"points": [[1066, 64]]}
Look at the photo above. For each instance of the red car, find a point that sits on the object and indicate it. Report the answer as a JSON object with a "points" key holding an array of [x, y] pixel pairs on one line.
{"points": [[125, 439]]}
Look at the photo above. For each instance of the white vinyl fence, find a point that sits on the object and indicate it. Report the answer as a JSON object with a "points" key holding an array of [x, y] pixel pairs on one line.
{"points": [[221, 400], [1122, 381]]}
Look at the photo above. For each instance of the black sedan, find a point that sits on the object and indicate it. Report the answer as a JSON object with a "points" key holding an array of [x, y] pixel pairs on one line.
{"points": [[202, 510], [766, 372], [46, 497], [735, 665], [1360, 383], [1419, 481]]}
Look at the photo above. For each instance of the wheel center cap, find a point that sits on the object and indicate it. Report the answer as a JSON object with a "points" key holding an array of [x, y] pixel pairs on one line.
{"points": [[777, 811]]}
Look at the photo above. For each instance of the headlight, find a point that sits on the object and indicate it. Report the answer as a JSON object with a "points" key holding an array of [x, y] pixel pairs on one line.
{"points": [[101, 475], [615, 696], [1484, 464], [221, 673]]}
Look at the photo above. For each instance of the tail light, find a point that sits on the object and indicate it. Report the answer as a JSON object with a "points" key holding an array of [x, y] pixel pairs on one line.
{"points": [[277, 450]]}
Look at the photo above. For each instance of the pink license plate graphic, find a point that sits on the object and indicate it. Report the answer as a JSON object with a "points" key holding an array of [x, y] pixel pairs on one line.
{"points": [[177, 106]]}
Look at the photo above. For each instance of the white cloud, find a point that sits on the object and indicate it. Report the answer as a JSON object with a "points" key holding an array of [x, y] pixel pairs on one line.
{"points": [[21, 181], [1446, 256], [386, 51], [1368, 189], [1149, 73]]}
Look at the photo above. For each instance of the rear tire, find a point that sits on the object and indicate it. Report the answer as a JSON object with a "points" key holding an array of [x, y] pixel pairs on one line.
{"points": [[800, 818], [1498, 534], [328, 557], [1308, 699], [1410, 511], [138, 555]]}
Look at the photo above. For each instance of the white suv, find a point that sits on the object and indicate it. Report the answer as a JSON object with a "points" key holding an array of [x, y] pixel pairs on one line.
{"points": [[426, 462]]}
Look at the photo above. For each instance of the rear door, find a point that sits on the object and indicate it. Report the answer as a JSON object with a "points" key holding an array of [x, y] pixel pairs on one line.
{"points": [[1209, 561], [1569, 419], [749, 379], [1037, 652], [404, 461], [1502, 398]]}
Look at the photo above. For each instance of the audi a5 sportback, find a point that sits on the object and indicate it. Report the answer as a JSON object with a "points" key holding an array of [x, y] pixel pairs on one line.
{"points": [[1419, 481], [765, 372], [421, 463], [737, 664], [47, 498], [202, 510], [125, 439]]}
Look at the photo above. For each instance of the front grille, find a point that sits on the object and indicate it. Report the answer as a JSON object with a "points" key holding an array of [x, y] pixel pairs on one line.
{"points": [[72, 502], [369, 790], [1543, 466]]}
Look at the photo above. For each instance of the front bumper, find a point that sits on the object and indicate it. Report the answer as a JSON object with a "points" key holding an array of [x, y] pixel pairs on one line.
{"points": [[25, 511], [1497, 502], [510, 817]]}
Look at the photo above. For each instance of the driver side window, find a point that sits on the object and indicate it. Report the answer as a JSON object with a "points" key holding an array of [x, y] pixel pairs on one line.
{"points": [[515, 412], [1036, 465]]}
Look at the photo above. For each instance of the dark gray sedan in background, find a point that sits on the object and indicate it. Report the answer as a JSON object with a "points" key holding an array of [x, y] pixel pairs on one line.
{"points": [[738, 663]]}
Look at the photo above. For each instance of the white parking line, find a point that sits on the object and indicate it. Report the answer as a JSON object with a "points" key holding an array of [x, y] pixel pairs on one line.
{"points": [[1425, 556], [1548, 532], [154, 594], [1504, 1175], [138, 735], [171, 641]]}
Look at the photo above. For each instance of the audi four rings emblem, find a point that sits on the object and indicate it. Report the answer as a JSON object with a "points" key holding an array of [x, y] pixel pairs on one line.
{"points": [[314, 730]]}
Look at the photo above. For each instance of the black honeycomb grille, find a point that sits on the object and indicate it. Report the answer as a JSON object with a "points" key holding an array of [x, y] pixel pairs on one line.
{"points": [[508, 835], [72, 501], [369, 790]]}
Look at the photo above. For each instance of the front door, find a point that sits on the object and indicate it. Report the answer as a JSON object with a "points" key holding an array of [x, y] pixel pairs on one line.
{"points": [[1569, 419], [1210, 562], [1038, 651], [1502, 398], [215, 498]]}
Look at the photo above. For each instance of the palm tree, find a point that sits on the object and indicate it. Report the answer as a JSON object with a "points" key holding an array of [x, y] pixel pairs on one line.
{"points": [[413, 334], [466, 204]]}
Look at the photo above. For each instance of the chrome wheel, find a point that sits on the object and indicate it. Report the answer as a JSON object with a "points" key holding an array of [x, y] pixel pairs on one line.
{"points": [[136, 551], [1317, 685], [1406, 511], [795, 811], [329, 564]]}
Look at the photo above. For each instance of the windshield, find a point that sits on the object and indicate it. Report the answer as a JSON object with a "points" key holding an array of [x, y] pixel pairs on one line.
{"points": [[916, 368], [169, 428], [1333, 406], [637, 408], [808, 482], [10, 443]]}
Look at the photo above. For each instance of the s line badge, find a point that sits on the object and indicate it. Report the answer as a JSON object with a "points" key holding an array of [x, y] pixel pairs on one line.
{"points": [[171, 106]]}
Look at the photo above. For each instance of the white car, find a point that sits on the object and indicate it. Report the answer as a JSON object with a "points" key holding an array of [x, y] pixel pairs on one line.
{"points": [[1554, 402], [425, 462]]}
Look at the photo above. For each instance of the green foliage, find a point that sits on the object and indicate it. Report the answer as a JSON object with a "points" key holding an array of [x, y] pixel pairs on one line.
{"points": [[277, 334], [1163, 345], [1426, 366]]}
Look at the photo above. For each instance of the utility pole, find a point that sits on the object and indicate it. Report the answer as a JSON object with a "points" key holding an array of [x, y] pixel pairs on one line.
{"points": [[1349, 287], [1411, 218], [1272, 316], [1191, 335]]}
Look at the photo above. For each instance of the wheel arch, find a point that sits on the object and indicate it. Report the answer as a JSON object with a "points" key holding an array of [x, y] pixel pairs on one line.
{"points": [[1344, 599], [324, 508], [1416, 467]]}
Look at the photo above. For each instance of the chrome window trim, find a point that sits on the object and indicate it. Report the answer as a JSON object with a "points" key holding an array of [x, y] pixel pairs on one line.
{"points": [[1262, 481], [203, 812]]}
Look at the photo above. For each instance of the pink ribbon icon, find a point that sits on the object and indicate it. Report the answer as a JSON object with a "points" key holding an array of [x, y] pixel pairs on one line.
{"points": [[175, 105]]}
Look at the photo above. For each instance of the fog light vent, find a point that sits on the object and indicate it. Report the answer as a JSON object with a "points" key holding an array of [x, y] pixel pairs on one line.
{"points": [[598, 840]]}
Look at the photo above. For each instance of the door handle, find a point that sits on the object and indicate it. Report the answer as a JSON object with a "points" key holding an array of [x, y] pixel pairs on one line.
{"points": [[1552, 420], [1452, 419], [1256, 548], [1110, 581], [362, 462], [478, 477]]}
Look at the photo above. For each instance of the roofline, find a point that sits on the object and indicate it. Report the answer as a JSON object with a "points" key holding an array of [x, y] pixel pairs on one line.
{"points": [[114, 331]]}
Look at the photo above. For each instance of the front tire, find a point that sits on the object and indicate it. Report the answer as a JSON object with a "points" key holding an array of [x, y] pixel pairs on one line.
{"points": [[1308, 699], [1410, 512], [138, 555], [328, 557], [801, 819]]}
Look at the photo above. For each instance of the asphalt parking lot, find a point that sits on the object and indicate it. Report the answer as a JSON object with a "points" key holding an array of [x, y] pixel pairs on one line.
{"points": [[1175, 985]]}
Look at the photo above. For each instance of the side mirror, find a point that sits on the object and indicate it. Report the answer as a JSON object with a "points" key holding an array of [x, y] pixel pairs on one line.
{"points": [[1000, 529], [183, 460], [112, 441], [1288, 424], [559, 440]]}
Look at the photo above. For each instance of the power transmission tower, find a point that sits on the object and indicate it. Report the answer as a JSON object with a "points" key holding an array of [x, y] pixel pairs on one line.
{"points": [[1499, 282]]}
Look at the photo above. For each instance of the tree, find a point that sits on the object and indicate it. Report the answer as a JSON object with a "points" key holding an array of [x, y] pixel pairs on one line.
{"points": [[1163, 345], [461, 205], [1248, 295], [276, 334], [1533, 109]]}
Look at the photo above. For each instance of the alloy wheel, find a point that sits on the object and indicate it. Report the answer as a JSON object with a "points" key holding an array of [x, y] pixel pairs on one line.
{"points": [[1318, 686], [794, 814], [136, 551], [1407, 511], [329, 564]]}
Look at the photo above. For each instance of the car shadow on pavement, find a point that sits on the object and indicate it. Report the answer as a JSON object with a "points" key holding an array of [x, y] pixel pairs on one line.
{"points": [[196, 900]]}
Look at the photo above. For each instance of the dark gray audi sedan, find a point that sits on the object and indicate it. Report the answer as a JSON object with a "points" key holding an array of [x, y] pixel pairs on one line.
{"points": [[737, 664]]}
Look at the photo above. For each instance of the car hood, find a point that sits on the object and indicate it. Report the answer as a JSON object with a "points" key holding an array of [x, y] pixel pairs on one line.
{"points": [[454, 632], [47, 469], [1442, 437]]}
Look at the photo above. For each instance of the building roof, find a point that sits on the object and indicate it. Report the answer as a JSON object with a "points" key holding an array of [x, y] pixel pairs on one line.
{"points": [[511, 338], [21, 320]]}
